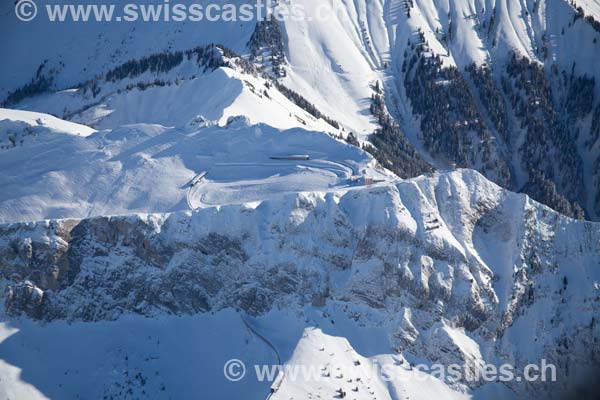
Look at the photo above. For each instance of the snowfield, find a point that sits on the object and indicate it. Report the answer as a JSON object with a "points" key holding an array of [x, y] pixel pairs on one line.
{"points": [[333, 61], [14, 118], [151, 168], [108, 359], [136, 356], [231, 92], [336, 64]]}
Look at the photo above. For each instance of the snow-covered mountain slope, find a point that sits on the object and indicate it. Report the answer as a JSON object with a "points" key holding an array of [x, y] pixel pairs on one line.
{"points": [[141, 357], [527, 123], [172, 88], [454, 79], [198, 202], [442, 269], [451, 73], [48, 122], [439, 269], [134, 357], [350, 359], [73, 52], [151, 168], [18, 128]]}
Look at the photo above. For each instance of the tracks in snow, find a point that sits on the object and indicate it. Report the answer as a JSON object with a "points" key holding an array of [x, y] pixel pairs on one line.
{"points": [[279, 379]]}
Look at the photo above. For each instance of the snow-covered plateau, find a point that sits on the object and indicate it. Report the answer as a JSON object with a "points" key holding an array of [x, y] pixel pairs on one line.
{"points": [[405, 183]]}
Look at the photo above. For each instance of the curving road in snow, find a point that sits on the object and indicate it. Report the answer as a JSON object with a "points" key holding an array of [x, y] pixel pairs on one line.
{"points": [[253, 331], [261, 181]]}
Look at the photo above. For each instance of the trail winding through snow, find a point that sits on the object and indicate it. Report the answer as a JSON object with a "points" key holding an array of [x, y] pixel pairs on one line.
{"points": [[269, 344], [260, 181]]}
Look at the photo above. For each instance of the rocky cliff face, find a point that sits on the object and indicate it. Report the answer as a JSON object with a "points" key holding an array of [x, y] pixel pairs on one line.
{"points": [[450, 250]]}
